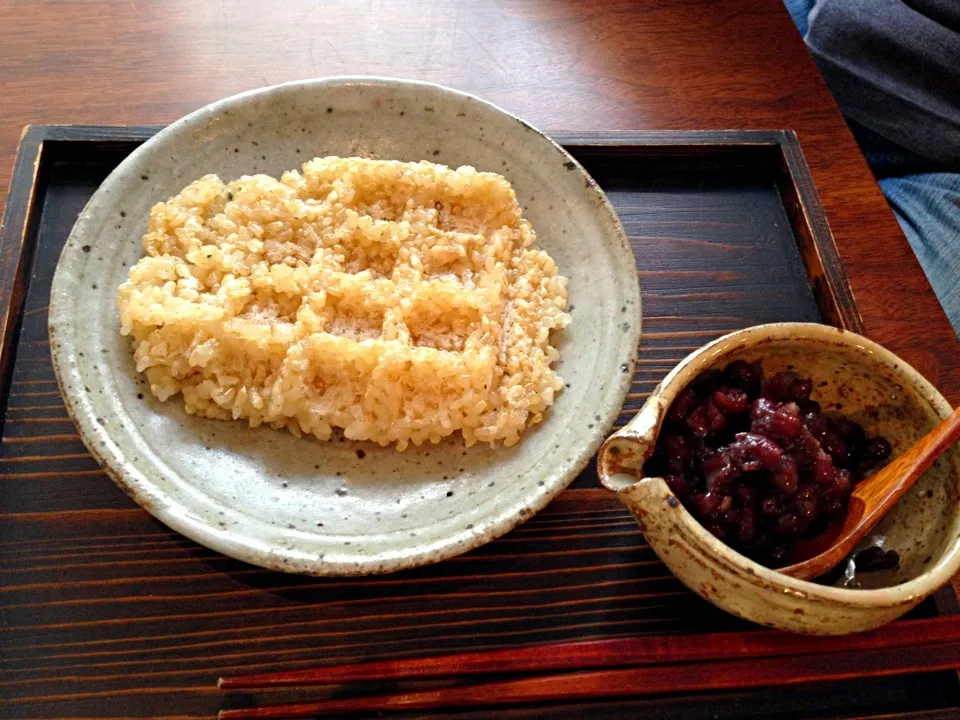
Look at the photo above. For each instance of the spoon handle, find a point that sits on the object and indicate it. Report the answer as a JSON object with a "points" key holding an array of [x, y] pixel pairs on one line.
{"points": [[871, 499], [882, 490]]}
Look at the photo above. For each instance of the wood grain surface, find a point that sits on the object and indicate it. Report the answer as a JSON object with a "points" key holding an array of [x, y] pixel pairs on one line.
{"points": [[626, 682], [616, 653], [106, 613], [560, 64]]}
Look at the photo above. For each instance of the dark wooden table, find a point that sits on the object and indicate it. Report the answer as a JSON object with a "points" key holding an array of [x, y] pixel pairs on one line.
{"points": [[562, 65]]}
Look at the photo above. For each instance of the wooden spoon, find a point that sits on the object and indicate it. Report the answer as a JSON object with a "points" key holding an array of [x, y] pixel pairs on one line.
{"points": [[870, 501]]}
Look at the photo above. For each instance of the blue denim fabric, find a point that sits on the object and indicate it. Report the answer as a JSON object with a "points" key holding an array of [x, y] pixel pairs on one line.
{"points": [[928, 208], [800, 10], [926, 204]]}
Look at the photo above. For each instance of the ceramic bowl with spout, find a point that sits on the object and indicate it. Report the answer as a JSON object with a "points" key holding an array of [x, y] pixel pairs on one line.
{"points": [[868, 384]]}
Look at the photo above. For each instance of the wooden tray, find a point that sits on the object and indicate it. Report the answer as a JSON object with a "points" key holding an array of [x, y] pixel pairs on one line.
{"points": [[107, 613]]}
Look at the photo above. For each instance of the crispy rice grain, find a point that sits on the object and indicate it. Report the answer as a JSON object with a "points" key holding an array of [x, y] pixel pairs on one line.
{"points": [[400, 302]]}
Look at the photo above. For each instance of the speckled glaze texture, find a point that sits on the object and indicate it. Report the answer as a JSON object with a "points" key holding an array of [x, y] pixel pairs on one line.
{"points": [[851, 375], [341, 508]]}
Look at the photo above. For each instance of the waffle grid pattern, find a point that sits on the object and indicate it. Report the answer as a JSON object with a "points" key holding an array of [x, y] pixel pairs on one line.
{"points": [[399, 302]]}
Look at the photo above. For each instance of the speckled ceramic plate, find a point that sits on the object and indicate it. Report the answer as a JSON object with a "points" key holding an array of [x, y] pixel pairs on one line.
{"points": [[341, 508]]}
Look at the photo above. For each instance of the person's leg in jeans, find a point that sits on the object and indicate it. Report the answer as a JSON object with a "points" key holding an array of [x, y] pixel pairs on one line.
{"points": [[800, 10], [926, 203], [928, 208]]}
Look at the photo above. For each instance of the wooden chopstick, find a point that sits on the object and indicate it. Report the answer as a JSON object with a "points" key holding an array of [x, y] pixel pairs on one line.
{"points": [[619, 652], [687, 677]]}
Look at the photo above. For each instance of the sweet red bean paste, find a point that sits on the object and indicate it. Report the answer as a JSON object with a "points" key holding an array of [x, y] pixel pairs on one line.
{"points": [[757, 462]]}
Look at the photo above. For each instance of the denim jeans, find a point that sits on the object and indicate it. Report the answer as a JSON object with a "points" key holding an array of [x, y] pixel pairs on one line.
{"points": [[928, 208], [926, 204]]}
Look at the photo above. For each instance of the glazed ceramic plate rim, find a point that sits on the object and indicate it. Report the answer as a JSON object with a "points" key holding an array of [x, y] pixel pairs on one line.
{"points": [[98, 437]]}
